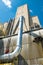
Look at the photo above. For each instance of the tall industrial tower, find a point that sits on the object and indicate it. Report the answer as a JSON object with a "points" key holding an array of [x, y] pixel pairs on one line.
{"points": [[32, 41]]}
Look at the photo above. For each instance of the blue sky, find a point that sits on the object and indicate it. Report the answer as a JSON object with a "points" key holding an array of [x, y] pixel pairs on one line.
{"points": [[8, 9]]}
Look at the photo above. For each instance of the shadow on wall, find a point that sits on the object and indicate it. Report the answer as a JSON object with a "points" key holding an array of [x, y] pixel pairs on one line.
{"points": [[42, 43], [21, 60], [39, 40], [1, 47]]}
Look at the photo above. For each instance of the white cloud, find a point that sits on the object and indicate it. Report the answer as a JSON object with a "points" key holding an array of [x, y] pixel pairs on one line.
{"points": [[7, 3], [31, 11]]}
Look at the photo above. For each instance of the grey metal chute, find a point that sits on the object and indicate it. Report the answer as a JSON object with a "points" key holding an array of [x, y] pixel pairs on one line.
{"points": [[17, 50]]}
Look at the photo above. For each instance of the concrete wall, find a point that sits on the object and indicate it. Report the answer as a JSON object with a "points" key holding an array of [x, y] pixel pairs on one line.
{"points": [[22, 11], [35, 20], [31, 51], [34, 23], [5, 28]]}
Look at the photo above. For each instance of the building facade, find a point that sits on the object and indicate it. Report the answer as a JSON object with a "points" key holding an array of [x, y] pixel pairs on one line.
{"points": [[31, 51]]}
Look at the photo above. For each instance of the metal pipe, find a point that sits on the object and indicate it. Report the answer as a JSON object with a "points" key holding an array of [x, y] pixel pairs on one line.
{"points": [[16, 52]]}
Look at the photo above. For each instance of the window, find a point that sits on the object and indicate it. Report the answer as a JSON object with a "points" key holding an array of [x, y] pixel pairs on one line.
{"points": [[32, 28], [36, 25]]}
